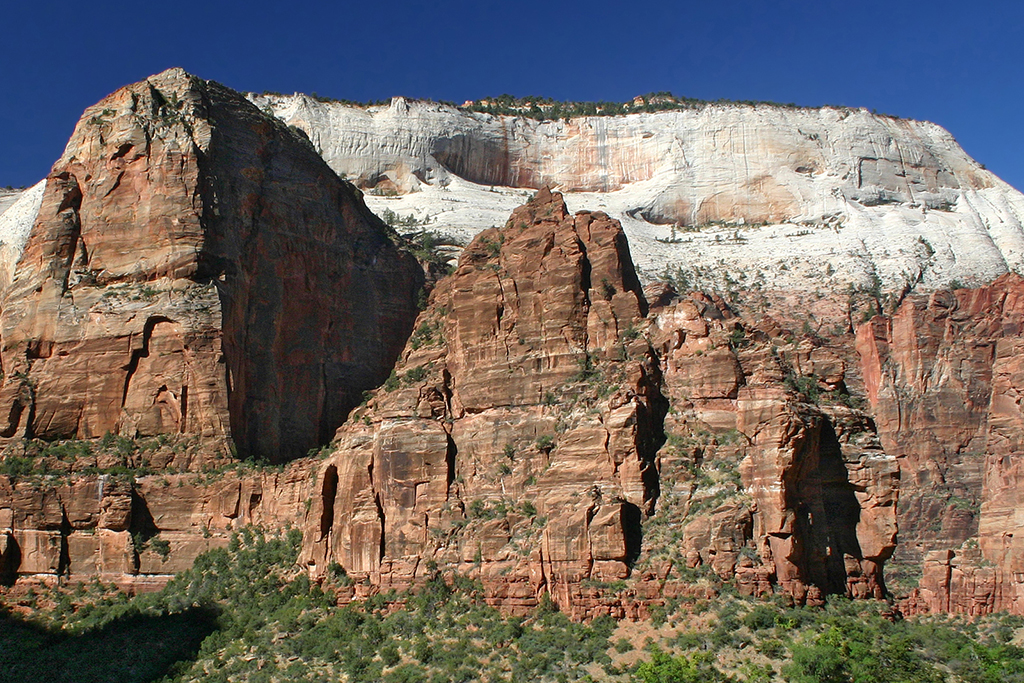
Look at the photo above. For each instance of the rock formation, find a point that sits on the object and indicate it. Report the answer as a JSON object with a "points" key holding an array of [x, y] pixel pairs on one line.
{"points": [[193, 275], [944, 380], [540, 433], [774, 479], [194, 268], [136, 531], [516, 439], [804, 198]]}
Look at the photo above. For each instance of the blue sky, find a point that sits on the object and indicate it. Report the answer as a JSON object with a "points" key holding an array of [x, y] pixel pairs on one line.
{"points": [[958, 64]]}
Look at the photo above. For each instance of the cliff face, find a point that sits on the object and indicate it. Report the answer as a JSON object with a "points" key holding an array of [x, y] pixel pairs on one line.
{"points": [[766, 153], [944, 380], [193, 267], [193, 274], [136, 533], [836, 196], [517, 437], [774, 481], [518, 442], [542, 434]]}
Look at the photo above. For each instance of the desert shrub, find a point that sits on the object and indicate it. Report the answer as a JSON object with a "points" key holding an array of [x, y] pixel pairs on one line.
{"points": [[760, 618], [665, 668]]}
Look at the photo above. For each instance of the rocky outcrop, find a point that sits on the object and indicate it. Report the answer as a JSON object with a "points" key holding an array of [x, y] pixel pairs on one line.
{"points": [[877, 158], [943, 376], [774, 481], [137, 532], [193, 269], [516, 440], [544, 428], [803, 198]]}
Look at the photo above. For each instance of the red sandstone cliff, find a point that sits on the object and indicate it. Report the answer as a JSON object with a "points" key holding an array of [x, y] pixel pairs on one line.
{"points": [[136, 531], [516, 440], [521, 439], [776, 481], [196, 268], [944, 378], [197, 273]]}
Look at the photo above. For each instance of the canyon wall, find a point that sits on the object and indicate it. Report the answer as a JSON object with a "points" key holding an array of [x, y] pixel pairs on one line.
{"points": [[193, 277], [134, 531], [521, 441], [552, 428], [193, 267], [769, 155], [516, 441], [806, 198], [944, 381], [779, 484]]}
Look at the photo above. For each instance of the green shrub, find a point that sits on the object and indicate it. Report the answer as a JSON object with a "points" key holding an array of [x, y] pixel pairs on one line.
{"points": [[664, 668], [760, 618], [414, 375], [161, 547]]}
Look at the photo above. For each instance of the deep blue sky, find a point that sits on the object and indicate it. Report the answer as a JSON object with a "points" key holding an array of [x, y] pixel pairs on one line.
{"points": [[958, 64]]}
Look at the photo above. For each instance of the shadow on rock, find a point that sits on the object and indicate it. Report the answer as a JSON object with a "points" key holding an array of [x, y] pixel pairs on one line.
{"points": [[132, 648]]}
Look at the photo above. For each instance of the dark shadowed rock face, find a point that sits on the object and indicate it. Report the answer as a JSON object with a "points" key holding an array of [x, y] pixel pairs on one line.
{"points": [[197, 268]]}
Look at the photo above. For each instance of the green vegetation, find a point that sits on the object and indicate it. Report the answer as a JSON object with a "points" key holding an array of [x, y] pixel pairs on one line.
{"points": [[844, 642], [417, 374], [399, 222], [493, 247], [804, 385], [161, 547], [36, 457], [546, 108], [246, 613], [665, 668], [428, 246], [121, 458], [427, 334], [587, 369]]}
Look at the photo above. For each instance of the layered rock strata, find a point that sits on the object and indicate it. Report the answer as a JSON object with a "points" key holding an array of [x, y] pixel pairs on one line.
{"points": [[196, 268], [805, 198], [773, 480], [542, 431], [516, 440], [136, 531], [943, 377]]}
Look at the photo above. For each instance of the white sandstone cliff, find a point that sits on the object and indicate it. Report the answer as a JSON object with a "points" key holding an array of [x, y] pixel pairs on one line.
{"points": [[800, 198]]}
